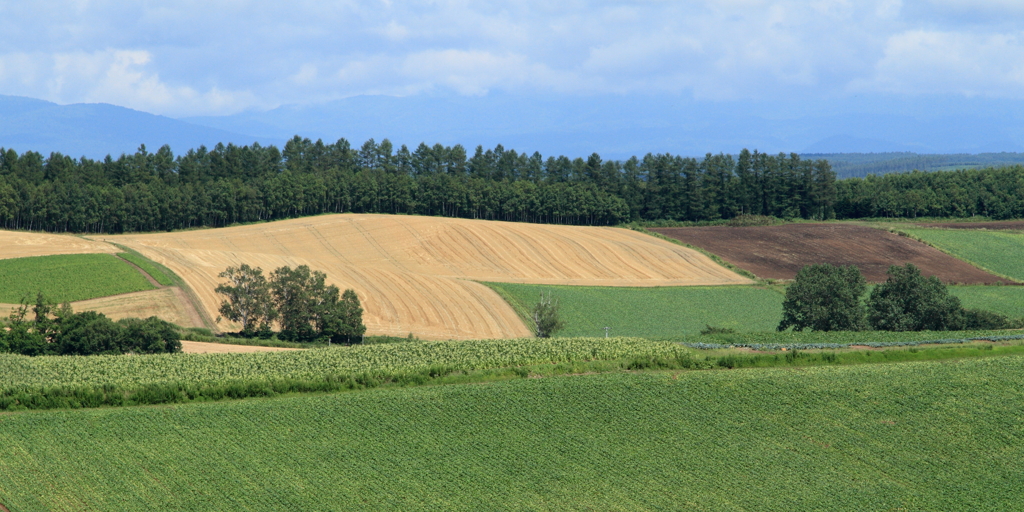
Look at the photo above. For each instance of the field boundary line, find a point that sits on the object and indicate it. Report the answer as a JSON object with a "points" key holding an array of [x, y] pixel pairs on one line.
{"points": [[898, 232], [193, 301], [521, 311], [145, 274], [714, 257]]}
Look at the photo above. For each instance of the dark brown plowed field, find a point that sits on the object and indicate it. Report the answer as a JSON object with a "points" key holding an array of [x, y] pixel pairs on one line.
{"points": [[1004, 225], [778, 252]]}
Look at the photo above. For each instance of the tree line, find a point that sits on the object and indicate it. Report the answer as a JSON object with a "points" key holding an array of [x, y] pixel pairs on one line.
{"points": [[228, 184], [995, 192]]}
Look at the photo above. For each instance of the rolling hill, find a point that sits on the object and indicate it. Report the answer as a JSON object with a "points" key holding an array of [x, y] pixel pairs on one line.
{"points": [[418, 274]]}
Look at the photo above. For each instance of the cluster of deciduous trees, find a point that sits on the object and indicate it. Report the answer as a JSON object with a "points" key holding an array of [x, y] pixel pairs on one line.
{"points": [[299, 300], [996, 193], [829, 298], [229, 184], [60, 331]]}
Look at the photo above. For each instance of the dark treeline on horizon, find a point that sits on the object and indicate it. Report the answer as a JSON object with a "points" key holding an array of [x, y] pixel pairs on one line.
{"points": [[229, 184]]}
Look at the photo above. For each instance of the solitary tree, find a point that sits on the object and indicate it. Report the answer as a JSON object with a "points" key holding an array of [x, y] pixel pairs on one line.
{"points": [[248, 298], [908, 301], [825, 298], [545, 317]]}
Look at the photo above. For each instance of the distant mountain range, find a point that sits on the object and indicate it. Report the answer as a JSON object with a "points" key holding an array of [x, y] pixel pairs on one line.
{"points": [[616, 127], [95, 130]]}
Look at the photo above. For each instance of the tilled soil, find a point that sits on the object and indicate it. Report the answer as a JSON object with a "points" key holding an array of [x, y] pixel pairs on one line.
{"points": [[779, 252]]}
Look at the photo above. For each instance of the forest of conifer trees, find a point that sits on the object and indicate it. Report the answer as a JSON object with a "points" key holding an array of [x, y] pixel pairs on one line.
{"points": [[229, 184]]}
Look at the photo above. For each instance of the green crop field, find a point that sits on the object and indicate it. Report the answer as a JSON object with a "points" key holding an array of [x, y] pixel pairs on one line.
{"points": [[158, 272], [997, 251], [653, 312], [1006, 300], [18, 370], [906, 436], [68, 277]]}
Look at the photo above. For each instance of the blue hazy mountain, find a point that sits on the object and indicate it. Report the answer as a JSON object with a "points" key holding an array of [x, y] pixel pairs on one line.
{"points": [[613, 126], [620, 126], [96, 129]]}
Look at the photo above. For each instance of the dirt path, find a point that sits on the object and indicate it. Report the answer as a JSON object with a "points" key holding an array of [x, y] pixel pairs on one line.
{"points": [[190, 307], [197, 347], [143, 272]]}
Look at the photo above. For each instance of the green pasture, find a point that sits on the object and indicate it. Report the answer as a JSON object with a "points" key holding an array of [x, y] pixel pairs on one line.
{"points": [[68, 277], [904, 436], [652, 312], [1005, 300], [997, 251]]}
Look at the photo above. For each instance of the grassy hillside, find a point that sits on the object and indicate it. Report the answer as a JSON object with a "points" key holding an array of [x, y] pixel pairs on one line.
{"points": [[68, 277], [653, 312], [931, 436], [999, 252]]}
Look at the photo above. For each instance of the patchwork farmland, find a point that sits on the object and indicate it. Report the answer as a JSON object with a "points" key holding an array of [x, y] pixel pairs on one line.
{"points": [[779, 252], [418, 274]]}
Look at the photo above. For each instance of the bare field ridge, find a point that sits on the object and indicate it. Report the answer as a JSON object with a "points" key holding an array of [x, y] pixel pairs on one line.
{"points": [[779, 252], [417, 274], [164, 303], [21, 244]]}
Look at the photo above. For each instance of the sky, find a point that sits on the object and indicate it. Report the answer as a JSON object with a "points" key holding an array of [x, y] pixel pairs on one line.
{"points": [[217, 57], [932, 76]]}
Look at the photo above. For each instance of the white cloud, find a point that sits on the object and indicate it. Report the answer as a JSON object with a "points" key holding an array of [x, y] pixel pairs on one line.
{"points": [[181, 57], [306, 74], [923, 61], [120, 77], [476, 72]]}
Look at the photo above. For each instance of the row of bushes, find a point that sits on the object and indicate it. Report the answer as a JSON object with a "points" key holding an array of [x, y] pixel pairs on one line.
{"points": [[61, 331]]}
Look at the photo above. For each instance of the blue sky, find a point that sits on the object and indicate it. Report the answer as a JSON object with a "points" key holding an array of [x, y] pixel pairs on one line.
{"points": [[190, 58]]}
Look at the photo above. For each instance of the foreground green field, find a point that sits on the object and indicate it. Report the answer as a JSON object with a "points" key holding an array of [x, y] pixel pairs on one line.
{"points": [[907, 436], [68, 277], [996, 251], [653, 312]]}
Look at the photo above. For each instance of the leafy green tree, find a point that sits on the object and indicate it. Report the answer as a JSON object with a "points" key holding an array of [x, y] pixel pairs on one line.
{"points": [[294, 292], [978, 319], [340, 320], [825, 298], [545, 316], [149, 336], [908, 301], [248, 298], [88, 333]]}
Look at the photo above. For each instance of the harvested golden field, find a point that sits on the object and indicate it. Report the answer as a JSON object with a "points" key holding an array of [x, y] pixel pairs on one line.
{"points": [[199, 347], [416, 274], [166, 303], [21, 244]]}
